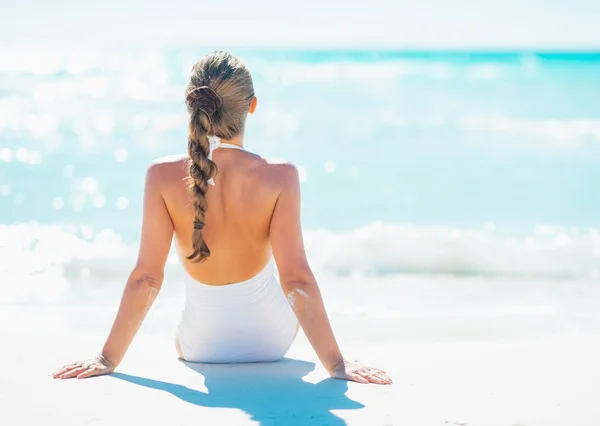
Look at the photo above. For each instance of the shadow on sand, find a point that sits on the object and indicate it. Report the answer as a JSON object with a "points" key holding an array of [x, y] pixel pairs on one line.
{"points": [[271, 393]]}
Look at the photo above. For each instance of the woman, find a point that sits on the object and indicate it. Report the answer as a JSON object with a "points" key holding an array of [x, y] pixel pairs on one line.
{"points": [[253, 221]]}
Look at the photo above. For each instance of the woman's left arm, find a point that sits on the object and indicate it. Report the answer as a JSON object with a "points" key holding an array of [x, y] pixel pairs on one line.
{"points": [[143, 284]]}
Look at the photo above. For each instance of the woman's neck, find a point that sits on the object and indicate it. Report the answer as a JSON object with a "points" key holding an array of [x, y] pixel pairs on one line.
{"points": [[238, 140]]}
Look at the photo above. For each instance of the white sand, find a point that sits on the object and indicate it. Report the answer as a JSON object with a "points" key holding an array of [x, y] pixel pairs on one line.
{"points": [[462, 351], [544, 381]]}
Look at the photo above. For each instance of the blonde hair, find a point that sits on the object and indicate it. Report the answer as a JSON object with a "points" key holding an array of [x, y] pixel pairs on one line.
{"points": [[218, 97]]}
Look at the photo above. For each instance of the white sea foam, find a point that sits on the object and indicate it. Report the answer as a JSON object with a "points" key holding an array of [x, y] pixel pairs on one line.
{"points": [[291, 73], [382, 248], [566, 133], [44, 260]]}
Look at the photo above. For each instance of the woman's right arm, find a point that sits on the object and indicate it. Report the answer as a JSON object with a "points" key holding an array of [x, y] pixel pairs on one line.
{"points": [[300, 286], [142, 286]]}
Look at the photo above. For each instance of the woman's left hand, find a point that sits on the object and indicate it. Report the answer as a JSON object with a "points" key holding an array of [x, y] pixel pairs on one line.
{"points": [[97, 366], [354, 371]]}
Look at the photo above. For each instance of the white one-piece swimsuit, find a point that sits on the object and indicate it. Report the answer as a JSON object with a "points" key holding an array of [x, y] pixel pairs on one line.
{"points": [[249, 321]]}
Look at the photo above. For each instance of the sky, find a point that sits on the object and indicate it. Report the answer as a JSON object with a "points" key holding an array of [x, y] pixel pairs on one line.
{"points": [[415, 24]]}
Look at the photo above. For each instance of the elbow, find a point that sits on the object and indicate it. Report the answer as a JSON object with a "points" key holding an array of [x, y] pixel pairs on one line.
{"points": [[301, 294], [304, 283], [145, 279]]}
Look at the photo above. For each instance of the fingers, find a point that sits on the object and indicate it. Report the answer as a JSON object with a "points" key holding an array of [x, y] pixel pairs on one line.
{"points": [[63, 371], [362, 374], [87, 373], [379, 379], [371, 375], [93, 370], [357, 378], [93, 367], [59, 372], [96, 370], [381, 375], [71, 364], [66, 368], [73, 372], [388, 380]]}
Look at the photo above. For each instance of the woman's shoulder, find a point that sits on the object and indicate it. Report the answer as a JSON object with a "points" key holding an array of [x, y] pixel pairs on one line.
{"points": [[168, 167], [284, 172], [166, 160]]}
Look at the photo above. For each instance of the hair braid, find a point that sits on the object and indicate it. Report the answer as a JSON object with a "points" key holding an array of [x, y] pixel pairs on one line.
{"points": [[201, 169], [218, 96]]}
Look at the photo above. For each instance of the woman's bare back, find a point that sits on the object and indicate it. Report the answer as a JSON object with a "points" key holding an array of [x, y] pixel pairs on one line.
{"points": [[240, 208]]}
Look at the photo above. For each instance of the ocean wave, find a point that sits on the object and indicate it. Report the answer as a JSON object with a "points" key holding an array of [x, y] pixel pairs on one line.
{"points": [[564, 132], [42, 261], [381, 248]]}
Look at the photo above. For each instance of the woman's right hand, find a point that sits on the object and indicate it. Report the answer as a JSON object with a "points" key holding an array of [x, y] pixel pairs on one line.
{"points": [[97, 366], [356, 372]]}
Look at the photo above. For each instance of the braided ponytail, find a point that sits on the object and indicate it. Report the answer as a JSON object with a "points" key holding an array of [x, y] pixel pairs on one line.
{"points": [[212, 114]]}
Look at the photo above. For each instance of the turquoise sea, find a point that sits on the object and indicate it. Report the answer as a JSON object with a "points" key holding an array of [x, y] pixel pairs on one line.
{"points": [[452, 163]]}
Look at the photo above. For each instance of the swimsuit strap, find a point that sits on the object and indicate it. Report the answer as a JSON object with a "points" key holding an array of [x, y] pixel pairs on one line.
{"points": [[215, 143]]}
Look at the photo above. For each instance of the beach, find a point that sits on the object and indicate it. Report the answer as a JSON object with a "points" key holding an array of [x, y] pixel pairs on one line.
{"points": [[496, 367]]}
